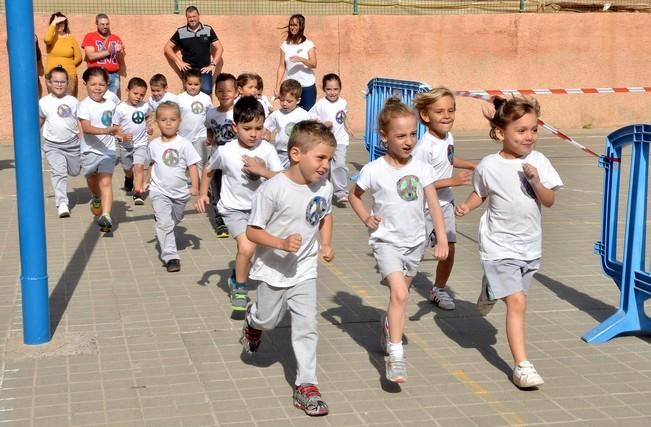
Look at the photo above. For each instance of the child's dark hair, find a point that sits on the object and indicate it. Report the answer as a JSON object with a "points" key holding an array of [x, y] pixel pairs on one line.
{"points": [[247, 109], [158, 80], [299, 37], [393, 107], [290, 87], [192, 72], [225, 77], [244, 78], [258, 77], [168, 105], [307, 134], [508, 111], [136, 82], [329, 77], [57, 69], [95, 71]]}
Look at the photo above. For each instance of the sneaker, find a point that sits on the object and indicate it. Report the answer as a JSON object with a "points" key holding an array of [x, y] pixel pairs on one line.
{"points": [[220, 228], [484, 303], [128, 184], [138, 199], [239, 294], [173, 265], [64, 212], [308, 398], [526, 376], [396, 369], [384, 334], [339, 202], [105, 223], [251, 338], [96, 206], [441, 298]]}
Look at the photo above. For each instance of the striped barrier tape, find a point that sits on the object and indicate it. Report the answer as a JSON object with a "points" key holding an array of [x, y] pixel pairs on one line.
{"points": [[569, 91]]}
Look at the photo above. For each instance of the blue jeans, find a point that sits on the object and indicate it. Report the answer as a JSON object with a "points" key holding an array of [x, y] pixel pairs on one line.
{"points": [[114, 83], [308, 97], [206, 83]]}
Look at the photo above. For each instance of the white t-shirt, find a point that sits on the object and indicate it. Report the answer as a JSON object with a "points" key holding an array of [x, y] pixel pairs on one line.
{"points": [[297, 70], [133, 119], [221, 123], [237, 186], [334, 112], [167, 96], [110, 96], [510, 227], [60, 114], [266, 104], [398, 199], [439, 154], [99, 115], [284, 123], [193, 115], [283, 207], [171, 161]]}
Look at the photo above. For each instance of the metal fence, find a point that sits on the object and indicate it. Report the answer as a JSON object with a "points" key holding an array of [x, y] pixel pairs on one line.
{"points": [[331, 7]]}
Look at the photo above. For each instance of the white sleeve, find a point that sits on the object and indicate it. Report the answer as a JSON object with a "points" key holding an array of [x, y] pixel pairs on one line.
{"points": [[117, 116], [41, 113], [215, 161], [262, 206], [270, 123], [548, 175], [478, 183], [365, 178], [273, 162], [83, 113], [427, 176], [191, 155]]}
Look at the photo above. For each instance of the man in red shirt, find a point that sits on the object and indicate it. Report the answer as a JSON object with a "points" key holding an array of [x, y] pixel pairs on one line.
{"points": [[105, 50]]}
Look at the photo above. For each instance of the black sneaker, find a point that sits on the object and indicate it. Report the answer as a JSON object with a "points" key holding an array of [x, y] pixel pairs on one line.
{"points": [[128, 184], [105, 223], [173, 265], [220, 227], [138, 199]]}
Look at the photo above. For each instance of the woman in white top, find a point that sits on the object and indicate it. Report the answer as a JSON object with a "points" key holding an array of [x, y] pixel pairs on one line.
{"points": [[298, 61]]}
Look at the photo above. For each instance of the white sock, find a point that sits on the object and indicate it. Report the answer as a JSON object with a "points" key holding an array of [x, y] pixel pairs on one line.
{"points": [[396, 350]]}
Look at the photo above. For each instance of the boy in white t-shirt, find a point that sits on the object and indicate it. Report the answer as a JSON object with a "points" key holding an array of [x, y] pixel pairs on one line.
{"points": [[131, 116], [243, 161], [194, 104], [332, 110], [61, 146], [159, 93], [288, 212], [172, 156], [282, 121]]}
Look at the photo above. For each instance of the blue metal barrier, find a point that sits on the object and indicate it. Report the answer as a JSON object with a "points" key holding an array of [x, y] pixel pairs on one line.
{"points": [[630, 274], [378, 91]]}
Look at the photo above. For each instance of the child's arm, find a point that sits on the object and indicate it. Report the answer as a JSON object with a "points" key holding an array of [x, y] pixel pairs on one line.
{"points": [[440, 251], [546, 195], [257, 166], [472, 202], [260, 236], [210, 138], [203, 199], [89, 129], [463, 164], [325, 229], [355, 200], [194, 178], [348, 128], [458, 179]]}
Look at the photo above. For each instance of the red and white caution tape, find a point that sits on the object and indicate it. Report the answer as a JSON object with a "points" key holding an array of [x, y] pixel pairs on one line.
{"points": [[569, 91]]}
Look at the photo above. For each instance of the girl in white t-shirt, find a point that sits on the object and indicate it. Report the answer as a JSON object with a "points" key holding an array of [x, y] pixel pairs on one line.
{"points": [[516, 181], [297, 61], [400, 185]]}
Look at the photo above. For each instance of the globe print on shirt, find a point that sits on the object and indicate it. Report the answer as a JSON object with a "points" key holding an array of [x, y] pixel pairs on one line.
{"points": [[451, 154], [107, 118], [316, 210], [289, 128], [407, 187], [340, 116], [171, 157], [196, 107], [64, 111]]}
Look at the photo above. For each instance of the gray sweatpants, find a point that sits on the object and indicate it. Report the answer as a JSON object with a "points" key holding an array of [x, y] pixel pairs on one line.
{"points": [[64, 159], [202, 150], [269, 309], [169, 212], [339, 172]]}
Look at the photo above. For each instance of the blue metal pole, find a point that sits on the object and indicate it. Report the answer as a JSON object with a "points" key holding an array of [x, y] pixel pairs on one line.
{"points": [[29, 178]]}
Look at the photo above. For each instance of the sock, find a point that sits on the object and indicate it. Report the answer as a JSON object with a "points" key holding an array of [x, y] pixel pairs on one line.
{"points": [[396, 350]]}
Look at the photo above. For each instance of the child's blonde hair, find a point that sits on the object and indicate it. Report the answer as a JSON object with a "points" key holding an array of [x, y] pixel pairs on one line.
{"points": [[393, 107], [508, 111], [425, 99], [168, 105], [307, 134]]}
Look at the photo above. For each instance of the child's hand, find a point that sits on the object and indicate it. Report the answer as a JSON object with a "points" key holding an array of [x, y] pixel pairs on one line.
{"points": [[150, 129], [461, 209], [440, 252], [328, 253], [194, 191], [209, 141], [202, 201], [127, 137], [530, 172], [462, 178], [372, 222], [293, 242], [253, 165]]}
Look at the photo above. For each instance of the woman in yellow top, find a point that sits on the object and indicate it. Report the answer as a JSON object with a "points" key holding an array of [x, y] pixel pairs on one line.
{"points": [[62, 49]]}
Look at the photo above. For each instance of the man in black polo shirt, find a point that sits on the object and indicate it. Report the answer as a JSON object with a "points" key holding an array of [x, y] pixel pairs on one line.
{"points": [[199, 46]]}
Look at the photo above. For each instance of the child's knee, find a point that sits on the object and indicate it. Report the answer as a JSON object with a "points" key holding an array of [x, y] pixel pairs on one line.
{"points": [[400, 295], [245, 247], [516, 302]]}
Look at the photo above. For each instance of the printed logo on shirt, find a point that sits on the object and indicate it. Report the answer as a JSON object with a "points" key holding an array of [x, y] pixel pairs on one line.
{"points": [[451, 154], [197, 107], [171, 157], [64, 111], [138, 117], [224, 132], [107, 118], [316, 210], [407, 187], [340, 116], [289, 128], [525, 186]]}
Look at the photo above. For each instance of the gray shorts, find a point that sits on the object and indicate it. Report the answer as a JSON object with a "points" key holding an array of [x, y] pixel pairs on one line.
{"points": [[141, 155], [450, 225], [235, 220], [509, 276], [391, 259], [93, 163], [126, 157]]}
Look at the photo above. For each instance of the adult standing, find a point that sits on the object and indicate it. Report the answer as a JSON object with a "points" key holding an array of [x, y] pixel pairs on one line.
{"points": [[62, 50], [105, 50], [297, 61], [199, 46]]}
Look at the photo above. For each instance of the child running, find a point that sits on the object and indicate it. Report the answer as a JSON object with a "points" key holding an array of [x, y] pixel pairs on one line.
{"points": [[61, 146], [282, 121], [194, 104], [98, 145], [436, 109], [131, 116], [288, 211], [172, 156], [248, 84], [242, 162], [517, 181], [332, 110], [159, 93], [400, 186]]}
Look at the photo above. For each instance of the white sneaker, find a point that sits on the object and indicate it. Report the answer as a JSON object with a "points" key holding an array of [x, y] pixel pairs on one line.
{"points": [[396, 369], [526, 376], [484, 303], [441, 298], [64, 212]]}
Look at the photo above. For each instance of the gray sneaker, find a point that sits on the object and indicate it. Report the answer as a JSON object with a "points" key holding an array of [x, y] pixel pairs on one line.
{"points": [[396, 369], [484, 303], [384, 334]]}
